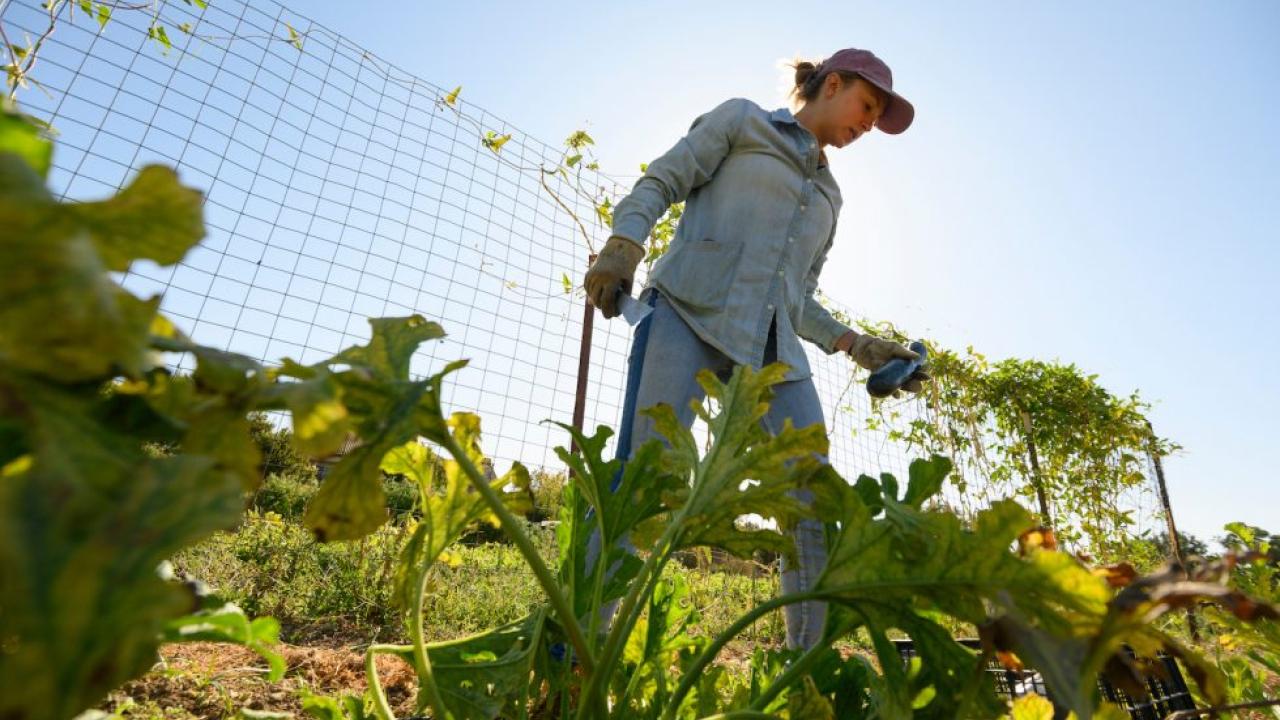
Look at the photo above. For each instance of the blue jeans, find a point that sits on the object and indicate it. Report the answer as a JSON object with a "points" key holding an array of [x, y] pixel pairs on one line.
{"points": [[666, 355]]}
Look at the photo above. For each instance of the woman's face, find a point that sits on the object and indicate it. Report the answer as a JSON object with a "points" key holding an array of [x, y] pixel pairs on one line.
{"points": [[850, 110]]}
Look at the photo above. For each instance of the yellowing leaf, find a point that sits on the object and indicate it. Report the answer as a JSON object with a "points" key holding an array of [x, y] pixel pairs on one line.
{"points": [[578, 140], [1031, 707], [392, 346], [153, 218], [321, 421], [351, 503], [53, 270], [448, 512], [16, 467], [452, 98], [495, 142], [157, 32], [808, 703], [413, 461]]}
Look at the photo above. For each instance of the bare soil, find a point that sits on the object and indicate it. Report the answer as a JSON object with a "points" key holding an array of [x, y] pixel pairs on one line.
{"points": [[213, 680]]}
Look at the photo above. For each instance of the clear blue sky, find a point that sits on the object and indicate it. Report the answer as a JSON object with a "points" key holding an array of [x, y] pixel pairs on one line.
{"points": [[1097, 183]]}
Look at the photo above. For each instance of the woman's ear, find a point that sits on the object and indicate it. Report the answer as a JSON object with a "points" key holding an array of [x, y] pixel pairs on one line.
{"points": [[831, 85]]}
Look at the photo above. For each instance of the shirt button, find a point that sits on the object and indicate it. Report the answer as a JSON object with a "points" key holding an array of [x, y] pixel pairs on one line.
{"points": [[802, 207], [791, 239], [781, 272], [769, 306]]}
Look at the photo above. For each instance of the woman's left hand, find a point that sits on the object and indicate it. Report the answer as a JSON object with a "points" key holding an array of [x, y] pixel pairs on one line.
{"points": [[872, 352]]}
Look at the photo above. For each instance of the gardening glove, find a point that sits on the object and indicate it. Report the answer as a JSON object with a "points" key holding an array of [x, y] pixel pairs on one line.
{"points": [[915, 383], [872, 352], [614, 270]]}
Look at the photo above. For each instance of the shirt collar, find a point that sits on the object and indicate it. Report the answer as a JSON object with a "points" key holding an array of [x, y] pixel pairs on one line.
{"points": [[783, 115]]}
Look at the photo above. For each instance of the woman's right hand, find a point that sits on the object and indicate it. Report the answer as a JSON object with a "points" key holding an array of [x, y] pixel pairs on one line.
{"points": [[614, 270]]}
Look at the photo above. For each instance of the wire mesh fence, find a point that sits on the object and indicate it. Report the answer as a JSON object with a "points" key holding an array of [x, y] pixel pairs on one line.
{"points": [[339, 187]]}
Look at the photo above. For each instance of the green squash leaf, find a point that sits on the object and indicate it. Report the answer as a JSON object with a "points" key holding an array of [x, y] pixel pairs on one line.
{"points": [[153, 218], [20, 136]]}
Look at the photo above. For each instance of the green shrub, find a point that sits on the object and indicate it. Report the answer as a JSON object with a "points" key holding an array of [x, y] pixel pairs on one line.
{"points": [[279, 456], [285, 495], [274, 566], [402, 496]]}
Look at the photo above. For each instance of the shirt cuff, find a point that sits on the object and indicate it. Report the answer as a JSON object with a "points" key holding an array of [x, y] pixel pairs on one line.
{"points": [[629, 238], [825, 331]]}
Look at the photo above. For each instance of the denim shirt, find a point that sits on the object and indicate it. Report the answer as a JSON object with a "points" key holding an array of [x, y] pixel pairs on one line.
{"points": [[759, 219]]}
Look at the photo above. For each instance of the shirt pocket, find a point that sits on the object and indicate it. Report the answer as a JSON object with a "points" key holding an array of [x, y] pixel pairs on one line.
{"points": [[703, 273]]}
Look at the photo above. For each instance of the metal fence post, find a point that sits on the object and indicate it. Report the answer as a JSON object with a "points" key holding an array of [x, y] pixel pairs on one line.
{"points": [[584, 364], [1175, 543]]}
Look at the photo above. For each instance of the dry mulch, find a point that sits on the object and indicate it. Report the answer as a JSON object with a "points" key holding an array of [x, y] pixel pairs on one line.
{"points": [[213, 680]]}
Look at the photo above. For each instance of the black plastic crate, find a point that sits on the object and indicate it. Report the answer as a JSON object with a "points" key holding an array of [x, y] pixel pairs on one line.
{"points": [[1165, 696]]}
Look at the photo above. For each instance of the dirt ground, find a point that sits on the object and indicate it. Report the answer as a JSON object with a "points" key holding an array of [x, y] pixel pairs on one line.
{"points": [[212, 680]]}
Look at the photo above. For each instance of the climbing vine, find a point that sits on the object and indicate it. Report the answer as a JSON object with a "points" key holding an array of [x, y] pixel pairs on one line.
{"points": [[1046, 433]]}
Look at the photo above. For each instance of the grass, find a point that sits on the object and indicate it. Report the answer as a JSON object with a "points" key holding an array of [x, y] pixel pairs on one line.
{"points": [[272, 566]]}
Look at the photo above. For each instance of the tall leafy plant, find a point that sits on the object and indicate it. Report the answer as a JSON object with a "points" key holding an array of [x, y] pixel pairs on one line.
{"points": [[88, 513]]}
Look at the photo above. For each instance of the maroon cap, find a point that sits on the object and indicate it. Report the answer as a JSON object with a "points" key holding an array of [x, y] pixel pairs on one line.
{"points": [[899, 113]]}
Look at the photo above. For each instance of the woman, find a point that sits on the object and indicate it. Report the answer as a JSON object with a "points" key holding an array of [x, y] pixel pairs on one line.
{"points": [[737, 284]]}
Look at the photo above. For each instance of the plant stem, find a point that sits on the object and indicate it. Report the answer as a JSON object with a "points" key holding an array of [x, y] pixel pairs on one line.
{"points": [[612, 647], [380, 706], [642, 585], [420, 657], [512, 528], [583, 228], [788, 676], [694, 671], [746, 714], [630, 621]]}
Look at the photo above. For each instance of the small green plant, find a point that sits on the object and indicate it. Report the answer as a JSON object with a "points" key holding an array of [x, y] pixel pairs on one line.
{"points": [[1248, 654]]}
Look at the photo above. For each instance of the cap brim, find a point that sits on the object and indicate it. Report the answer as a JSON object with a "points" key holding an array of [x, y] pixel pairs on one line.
{"points": [[897, 117]]}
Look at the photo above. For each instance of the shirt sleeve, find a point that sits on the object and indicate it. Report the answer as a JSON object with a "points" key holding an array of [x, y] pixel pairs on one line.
{"points": [[816, 323], [679, 171]]}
